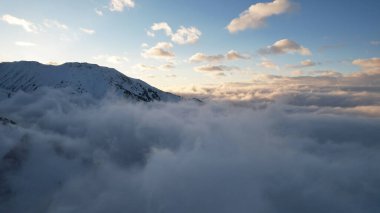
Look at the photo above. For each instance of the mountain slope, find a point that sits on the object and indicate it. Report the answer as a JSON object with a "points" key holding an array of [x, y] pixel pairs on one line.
{"points": [[79, 77]]}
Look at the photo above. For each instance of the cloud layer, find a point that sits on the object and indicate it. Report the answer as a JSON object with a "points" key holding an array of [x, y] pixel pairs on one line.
{"points": [[75, 154]]}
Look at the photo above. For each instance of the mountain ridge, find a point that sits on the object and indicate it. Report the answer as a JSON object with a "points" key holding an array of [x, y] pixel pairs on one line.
{"points": [[80, 77]]}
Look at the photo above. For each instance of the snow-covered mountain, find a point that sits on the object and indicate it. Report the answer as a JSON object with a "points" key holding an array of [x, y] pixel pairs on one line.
{"points": [[80, 78]]}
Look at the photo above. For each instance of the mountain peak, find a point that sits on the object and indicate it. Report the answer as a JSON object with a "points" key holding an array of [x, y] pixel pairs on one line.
{"points": [[98, 81]]}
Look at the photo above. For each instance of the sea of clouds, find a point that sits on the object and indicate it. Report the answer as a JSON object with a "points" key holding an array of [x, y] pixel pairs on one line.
{"points": [[305, 151]]}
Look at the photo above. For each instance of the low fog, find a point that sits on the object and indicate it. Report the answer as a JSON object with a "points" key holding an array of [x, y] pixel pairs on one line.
{"points": [[289, 153]]}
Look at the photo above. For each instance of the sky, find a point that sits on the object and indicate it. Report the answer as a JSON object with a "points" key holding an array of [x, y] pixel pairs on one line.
{"points": [[289, 119], [178, 44]]}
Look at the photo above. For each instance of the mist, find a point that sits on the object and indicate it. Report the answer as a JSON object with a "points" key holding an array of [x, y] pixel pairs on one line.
{"points": [[70, 153]]}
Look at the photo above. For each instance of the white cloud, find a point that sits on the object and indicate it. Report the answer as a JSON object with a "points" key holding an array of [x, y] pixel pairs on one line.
{"points": [[287, 155], [26, 25], [370, 65], [98, 12], [25, 44], [257, 14], [88, 31], [285, 46], [55, 24], [186, 35], [375, 43], [303, 64], [215, 68], [234, 55], [201, 57], [268, 64], [231, 55], [162, 50], [112, 59], [162, 26], [119, 5], [183, 35]]}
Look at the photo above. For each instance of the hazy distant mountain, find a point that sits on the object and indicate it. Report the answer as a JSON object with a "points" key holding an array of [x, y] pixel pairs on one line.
{"points": [[79, 78]]}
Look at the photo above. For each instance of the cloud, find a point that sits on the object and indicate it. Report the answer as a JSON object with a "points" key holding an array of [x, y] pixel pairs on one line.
{"points": [[257, 14], [77, 154], [167, 67], [112, 59], [268, 64], [375, 43], [303, 64], [162, 26], [285, 46], [161, 50], [186, 35], [368, 64], [215, 69], [234, 55], [231, 55], [55, 24], [25, 44], [87, 31], [26, 25], [164, 67], [98, 12], [201, 57], [182, 36], [119, 5], [326, 88]]}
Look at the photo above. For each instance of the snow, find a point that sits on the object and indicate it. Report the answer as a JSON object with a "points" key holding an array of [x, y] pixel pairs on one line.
{"points": [[29, 76]]}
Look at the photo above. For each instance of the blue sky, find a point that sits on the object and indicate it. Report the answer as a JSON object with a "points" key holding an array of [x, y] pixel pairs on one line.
{"points": [[334, 32]]}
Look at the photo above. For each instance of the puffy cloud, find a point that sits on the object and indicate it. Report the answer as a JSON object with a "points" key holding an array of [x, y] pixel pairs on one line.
{"points": [[308, 63], [285, 46], [112, 59], [26, 25], [184, 35], [201, 57], [162, 26], [257, 14], [25, 44], [98, 12], [55, 24], [231, 55], [161, 50], [119, 5], [371, 64], [76, 154], [234, 55], [87, 31], [303, 64], [215, 69], [268, 64]]}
